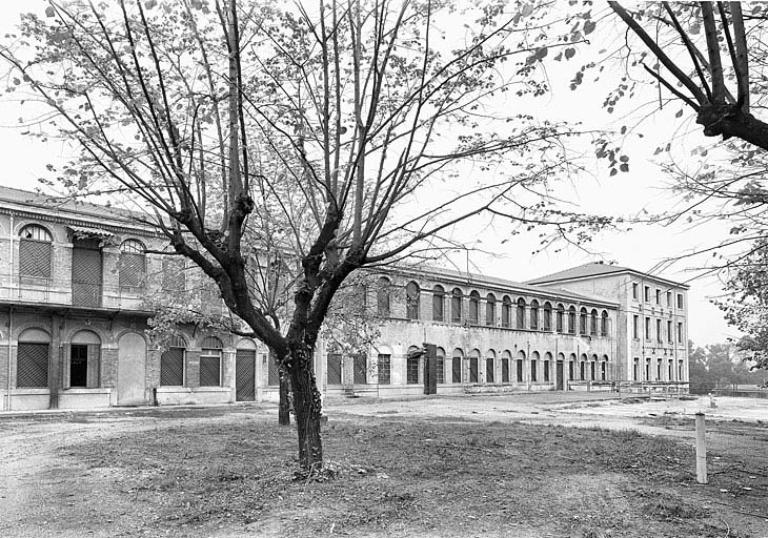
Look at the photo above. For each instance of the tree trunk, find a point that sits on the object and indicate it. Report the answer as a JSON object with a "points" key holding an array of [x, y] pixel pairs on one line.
{"points": [[284, 409], [307, 406]]}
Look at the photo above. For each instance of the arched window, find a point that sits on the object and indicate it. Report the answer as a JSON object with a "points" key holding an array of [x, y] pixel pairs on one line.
{"points": [[560, 323], [456, 359], [457, 297], [490, 310], [506, 358], [172, 363], [490, 366], [438, 302], [440, 354], [521, 313], [534, 365], [535, 315], [583, 367], [593, 323], [84, 361], [636, 370], [474, 359], [382, 297], [572, 367], [604, 368], [35, 252], [474, 307], [520, 366], [412, 366], [32, 359], [572, 320], [547, 366], [583, 321], [604, 324], [647, 368], [592, 368], [210, 362], [546, 322], [132, 264], [412, 303], [506, 312]]}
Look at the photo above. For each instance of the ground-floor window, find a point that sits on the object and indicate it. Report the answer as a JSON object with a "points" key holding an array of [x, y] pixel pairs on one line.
{"points": [[412, 373], [505, 370], [456, 370], [671, 370], [658, 370], [489, 371], [383, 369], [361, 369], [680, 371], [519, 371], [571, 372], [592, 371], [32, 365], [546, 371], [333, 375], [583, 371], [210, 362], [604, 370], [172, 367], [78, 365], [533, 370], [440, 366], [473, 369], [647, 369]]}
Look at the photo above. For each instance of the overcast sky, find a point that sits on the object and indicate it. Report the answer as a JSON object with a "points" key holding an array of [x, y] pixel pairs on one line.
{"points": [[644, 187]]}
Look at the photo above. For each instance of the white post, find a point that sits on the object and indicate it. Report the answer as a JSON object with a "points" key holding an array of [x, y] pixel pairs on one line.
{"points": [[701, 449]]}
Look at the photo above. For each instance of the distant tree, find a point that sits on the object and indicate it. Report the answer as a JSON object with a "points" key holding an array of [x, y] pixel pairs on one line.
{"points": [[719, 365], [355, 128]]}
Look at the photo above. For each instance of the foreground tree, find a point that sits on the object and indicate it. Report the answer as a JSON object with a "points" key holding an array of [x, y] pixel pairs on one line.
{"points": [[350, 128]]}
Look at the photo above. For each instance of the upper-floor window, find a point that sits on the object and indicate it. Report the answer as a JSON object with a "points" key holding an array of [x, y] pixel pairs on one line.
{"points": [[634, 290], [438, 302], [546, 321], [457, 297], [173, 273], [559, 324], [604, 324], [35, 251], [490, 310], [474, 307], [412, 303], [635, 329], [535, 315], [679, 333], [521, 313], [506, 312], [680, 301], [658, 330], [583, 321], [658, 296], [382, 297], [669, 299], [572, 320], [593, 322], [132, 264], [647, 328], [647, 294]]}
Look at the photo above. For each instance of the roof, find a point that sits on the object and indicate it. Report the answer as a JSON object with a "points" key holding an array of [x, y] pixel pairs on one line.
{"points": [[65, 206], [596, 269]]}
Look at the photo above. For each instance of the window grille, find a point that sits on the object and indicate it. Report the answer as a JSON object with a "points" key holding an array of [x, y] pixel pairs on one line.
{"points": [[35, 251], [172, 367], [210, 368], [383, 369], [473, 369], [489, 372], [412, 370], [440, 366], [132, 264], [173, 274], [334, 369], [456, 369], [32, 365]]}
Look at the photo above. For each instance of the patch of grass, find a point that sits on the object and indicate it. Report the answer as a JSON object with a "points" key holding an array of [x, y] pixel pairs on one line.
{"points": [[403, 476]]}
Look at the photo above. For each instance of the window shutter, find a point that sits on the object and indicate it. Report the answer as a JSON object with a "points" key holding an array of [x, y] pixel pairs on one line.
{"points": [[94, 366], [66, 363]]}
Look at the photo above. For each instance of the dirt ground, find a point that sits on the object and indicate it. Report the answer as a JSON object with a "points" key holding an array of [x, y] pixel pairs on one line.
{"points": [[511, 465]]}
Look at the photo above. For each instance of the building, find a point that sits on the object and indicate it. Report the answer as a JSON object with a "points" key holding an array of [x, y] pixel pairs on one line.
{"points": [[81, 283]]}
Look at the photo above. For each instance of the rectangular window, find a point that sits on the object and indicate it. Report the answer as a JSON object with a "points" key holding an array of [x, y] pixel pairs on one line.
{"points": [[440, 369], [172, 367], [412, 370], [680, 301], [592, 370], [635, 326], [647, 294], [658, 296], [669, 299], [533, 370], [519, 371], [360, 364], [35, 258], [173, 273], [473, 369], [658, 330], [456, 370], [647, 328], [32, 366], [489, 373], [634, 290], [636, 370], [583, 371], [78, 365], [333, 374], [210, 368], [669, 331], [679, 333], [505, 370], [546, 371], [383, 363]]}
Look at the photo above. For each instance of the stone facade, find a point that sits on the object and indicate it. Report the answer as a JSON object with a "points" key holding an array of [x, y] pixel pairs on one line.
{"points": [[73, 325]]}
